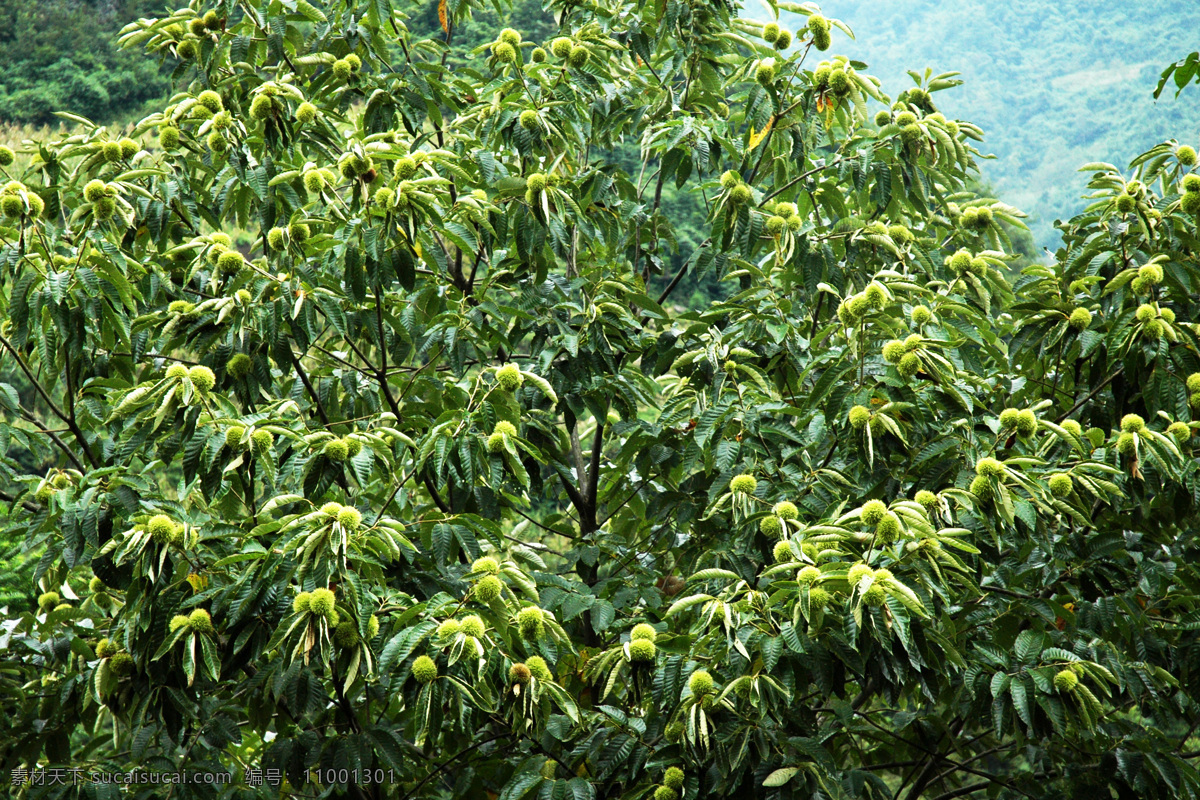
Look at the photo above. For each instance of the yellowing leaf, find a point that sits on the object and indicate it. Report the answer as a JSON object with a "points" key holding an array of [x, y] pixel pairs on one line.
{"points": [[442, 16], [756, 138]]}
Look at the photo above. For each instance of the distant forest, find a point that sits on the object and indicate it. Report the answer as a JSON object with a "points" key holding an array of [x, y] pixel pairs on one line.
{"points": [[1055, 85], [62, 54]]}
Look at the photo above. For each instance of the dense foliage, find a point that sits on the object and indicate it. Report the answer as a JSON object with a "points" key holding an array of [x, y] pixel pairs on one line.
{"points": [[1054, 84], [434, 477]]}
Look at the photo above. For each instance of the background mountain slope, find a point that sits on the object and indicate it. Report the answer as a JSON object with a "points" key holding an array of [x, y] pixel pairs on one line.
{"points": [[1055, 85], [58, 55]]}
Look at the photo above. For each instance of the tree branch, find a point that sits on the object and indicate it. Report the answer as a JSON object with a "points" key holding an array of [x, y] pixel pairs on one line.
{"points": [[450, 761], [437, 499], [381, 375], [308, 385], [593, 475], [54, 437], [69, 420], [970, 788], [28, 506], [1093, 393], [572, 493]]}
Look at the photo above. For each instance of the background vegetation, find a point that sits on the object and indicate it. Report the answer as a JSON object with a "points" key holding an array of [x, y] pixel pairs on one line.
{"points": [[62, 55], [1055, 84]]}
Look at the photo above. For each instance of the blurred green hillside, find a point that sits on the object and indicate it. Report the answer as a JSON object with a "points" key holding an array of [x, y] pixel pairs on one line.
{"points": [[60, 55], [1055, 85]]}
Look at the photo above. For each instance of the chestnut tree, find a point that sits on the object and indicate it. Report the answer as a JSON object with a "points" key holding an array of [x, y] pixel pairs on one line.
{"points": [[358, 435]]}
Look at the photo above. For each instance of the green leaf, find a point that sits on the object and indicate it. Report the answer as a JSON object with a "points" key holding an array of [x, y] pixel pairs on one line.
{"points": [[781, 776]]}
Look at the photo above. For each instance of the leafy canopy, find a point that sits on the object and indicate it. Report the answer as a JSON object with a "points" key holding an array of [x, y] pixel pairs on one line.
{"points": [[368, 434]]}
